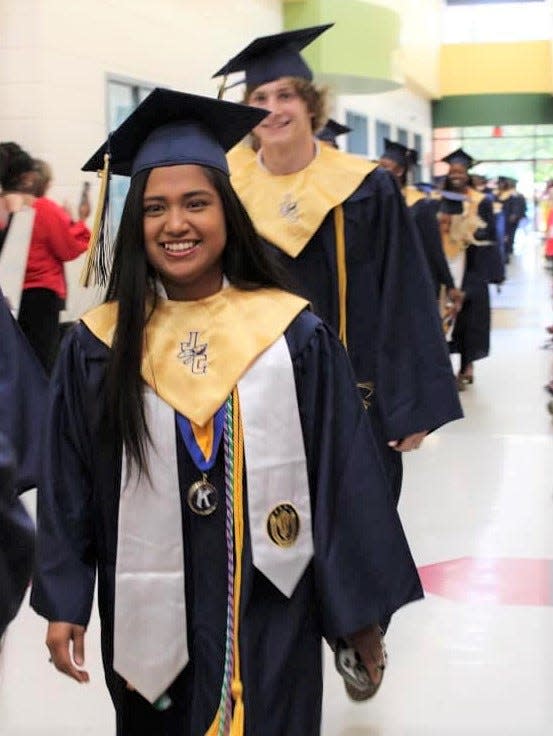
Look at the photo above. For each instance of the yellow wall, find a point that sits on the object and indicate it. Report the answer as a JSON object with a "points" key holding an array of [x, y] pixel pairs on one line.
{"points": [[496, 68]]}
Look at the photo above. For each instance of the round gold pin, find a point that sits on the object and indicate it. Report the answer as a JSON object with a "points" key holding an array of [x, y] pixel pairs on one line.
{"points": [[283, 525]]}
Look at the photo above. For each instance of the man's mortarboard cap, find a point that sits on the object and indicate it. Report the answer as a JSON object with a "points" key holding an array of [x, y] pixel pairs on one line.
{"points": [[452, 203], [170, 128], [271, 57], [331, 130], [459, 157], [399, 153]]}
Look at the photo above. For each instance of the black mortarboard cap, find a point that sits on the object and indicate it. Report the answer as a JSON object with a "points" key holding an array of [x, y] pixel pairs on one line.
{"points": [[459, 157], [270, 57], [399, 153], [452, 203], [332, 129], [170, 128]]}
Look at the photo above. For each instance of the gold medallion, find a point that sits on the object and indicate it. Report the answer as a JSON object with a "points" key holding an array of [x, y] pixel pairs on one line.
{"points": [[283, 525], [202, 498]]}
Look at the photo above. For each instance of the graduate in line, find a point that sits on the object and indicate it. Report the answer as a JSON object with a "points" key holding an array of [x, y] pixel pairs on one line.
{"points": [[208, 455], [398, 159], [470, 243], [330, 131], [513, 206], [340, 228]]}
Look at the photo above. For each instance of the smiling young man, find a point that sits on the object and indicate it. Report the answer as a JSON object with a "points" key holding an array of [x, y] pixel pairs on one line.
{"points": [[340, 228]]}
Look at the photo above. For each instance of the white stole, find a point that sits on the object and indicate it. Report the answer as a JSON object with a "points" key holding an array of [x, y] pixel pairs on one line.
{"points": [[15, 254], [150, 638]]}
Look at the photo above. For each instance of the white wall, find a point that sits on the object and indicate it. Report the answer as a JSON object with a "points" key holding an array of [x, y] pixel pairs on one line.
{"points": [[55, 56], [400, 108]]}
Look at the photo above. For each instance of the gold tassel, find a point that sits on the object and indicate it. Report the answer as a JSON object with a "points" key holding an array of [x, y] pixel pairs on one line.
{"points": [[89, 274], [342, 274], [214, 728], [221, 92]]}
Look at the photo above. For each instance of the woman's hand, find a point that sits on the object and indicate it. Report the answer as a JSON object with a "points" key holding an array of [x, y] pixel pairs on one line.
{"points": [[370, 646], [66, 645]]}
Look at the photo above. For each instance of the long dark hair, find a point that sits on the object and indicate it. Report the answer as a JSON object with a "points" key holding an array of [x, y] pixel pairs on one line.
{"points": [[247, 263]]}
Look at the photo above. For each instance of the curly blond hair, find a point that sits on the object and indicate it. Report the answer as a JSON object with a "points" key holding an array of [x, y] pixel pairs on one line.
{"points": [[316, 99]]}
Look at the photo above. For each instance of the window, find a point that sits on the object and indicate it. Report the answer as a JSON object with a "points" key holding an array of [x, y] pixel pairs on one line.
{"points": [[382, 131], [357, 140], [402, 137], [122, 98]]}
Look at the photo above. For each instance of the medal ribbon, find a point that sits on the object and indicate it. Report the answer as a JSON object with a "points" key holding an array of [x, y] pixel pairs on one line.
{"points": [[203, 463]]}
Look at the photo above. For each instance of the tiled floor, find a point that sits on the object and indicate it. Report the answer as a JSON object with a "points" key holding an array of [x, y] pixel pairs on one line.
{"points": [[476, 657]]}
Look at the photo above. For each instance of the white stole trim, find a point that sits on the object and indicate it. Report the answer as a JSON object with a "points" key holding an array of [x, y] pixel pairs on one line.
{"points": [[275, 464], [150, 637], [150, 640]]}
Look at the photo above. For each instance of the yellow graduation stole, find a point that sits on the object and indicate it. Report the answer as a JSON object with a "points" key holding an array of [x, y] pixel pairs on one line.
{"points": [[288, 210], [411, 195], [195, 352], [458, 234]]}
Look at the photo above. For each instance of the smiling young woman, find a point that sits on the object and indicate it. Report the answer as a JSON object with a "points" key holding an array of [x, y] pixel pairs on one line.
{"points": [[184, 231], [188, 462]]}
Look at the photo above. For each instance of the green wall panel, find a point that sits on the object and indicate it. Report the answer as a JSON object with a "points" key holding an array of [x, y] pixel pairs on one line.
{"points": [[467, 110], [357, 54]]}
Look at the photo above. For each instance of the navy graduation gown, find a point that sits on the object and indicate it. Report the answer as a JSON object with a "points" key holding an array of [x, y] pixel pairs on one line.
{"points": [[425, 213], [395, 340], [471, 334], [362, 570], [486, 261], [23, 392]]}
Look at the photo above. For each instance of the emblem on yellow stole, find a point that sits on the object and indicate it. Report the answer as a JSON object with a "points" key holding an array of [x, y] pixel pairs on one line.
{"points": [[283, 525], [194, 354], [289, 209]]}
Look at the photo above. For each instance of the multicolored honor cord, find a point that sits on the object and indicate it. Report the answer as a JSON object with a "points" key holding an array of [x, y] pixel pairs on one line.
{"points": [[229, 722]]}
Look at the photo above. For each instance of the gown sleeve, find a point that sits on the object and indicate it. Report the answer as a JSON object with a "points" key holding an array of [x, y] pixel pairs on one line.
{"points": [[363, 567], [23, 394], [63, 585], [16, 540]]}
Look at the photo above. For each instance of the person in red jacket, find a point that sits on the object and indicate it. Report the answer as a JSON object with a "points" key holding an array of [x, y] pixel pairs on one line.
{"points": [[54, 240]]}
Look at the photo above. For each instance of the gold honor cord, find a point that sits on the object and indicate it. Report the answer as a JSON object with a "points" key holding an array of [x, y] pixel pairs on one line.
{"points": [[89, 275], [342, 273], [237, 688]]}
